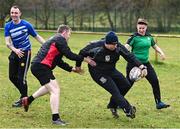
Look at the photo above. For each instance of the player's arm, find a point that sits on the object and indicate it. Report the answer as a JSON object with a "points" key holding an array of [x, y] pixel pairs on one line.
{"points": [[40, 39], [127, 46], [63, 48], [129, 41], [33, 33], [69, 68], [66, 51], [11, 47], [64, 65], [158, 49], [129, 57], [86, 53]]}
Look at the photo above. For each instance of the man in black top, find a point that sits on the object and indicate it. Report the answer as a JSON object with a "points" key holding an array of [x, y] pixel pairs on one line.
{"points": [[106, 53], [49, 56]]}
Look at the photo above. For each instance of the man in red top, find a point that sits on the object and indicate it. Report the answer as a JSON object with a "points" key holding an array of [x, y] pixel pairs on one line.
{"points": [[49, 56]]}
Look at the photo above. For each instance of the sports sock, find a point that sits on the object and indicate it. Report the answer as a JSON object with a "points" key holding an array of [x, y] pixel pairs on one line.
{"points": [[55, 117], [30, 99]]}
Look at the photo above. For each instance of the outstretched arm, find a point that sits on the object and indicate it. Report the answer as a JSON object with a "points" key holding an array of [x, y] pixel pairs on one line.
{"points": [[69, 68]]}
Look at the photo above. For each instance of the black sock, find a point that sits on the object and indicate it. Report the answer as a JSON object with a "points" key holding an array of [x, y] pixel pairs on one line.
{"points": [[30, 99], [55, 116]]}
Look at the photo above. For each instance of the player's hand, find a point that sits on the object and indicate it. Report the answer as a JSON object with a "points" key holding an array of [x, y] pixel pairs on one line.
{"points": [[144, 73], [78, 70], [143, 70], [90, 61], [162, 56], [19, 53]]}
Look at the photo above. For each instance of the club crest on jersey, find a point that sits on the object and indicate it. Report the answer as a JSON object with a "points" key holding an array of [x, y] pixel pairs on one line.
{"points": [[103, 80], [107, 58]]}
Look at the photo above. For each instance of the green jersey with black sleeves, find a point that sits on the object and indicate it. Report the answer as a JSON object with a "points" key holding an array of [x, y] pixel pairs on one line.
{"points": [[140, 46]]}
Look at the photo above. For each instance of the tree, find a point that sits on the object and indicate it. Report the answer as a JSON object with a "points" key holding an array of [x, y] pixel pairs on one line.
{"points": [[44, 11], [4, 10]]}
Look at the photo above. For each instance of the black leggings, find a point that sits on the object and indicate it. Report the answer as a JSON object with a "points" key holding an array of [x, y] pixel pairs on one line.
{"points": [[18, 68], [151, 77]]}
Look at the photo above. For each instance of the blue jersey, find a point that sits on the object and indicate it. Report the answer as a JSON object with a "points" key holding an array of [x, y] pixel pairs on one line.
{"points": [[19, 34]]}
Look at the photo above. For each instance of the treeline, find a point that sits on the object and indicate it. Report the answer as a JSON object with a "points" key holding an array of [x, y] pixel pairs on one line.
{"points": [[97, 15]]}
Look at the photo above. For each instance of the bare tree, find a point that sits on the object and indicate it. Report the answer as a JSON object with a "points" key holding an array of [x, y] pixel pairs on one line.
{"points": [[44, 11], [4, 10]]}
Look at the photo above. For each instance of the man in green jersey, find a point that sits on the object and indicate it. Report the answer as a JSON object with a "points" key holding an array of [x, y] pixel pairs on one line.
{"points": [[140, 43]]}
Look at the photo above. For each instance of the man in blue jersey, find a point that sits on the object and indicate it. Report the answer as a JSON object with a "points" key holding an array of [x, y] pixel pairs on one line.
{"points": [[17, 33]]}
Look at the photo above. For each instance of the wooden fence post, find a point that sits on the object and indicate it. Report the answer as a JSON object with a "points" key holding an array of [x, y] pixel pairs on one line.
{"points": [[156, 54]]}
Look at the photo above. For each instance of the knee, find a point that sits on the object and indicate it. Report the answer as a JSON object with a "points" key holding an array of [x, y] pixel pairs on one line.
{"points": [[55, 90]]}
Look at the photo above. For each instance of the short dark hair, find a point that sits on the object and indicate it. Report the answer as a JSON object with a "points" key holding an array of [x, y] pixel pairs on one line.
{"points": [[62, 28], [16, 7]]}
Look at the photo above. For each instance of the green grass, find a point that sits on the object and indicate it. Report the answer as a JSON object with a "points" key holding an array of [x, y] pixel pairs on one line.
{"points": [[83, 102]]}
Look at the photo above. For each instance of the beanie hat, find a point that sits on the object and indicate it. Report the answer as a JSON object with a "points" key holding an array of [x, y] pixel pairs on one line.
{"points": [[111, 38]]}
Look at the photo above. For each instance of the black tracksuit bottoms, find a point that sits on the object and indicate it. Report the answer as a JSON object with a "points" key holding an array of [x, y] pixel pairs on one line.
{"points": [[151, 77], [18, 68], [116, 84]]}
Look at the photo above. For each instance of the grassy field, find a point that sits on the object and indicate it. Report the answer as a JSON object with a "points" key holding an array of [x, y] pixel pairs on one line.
{"points": [[83, 103]]}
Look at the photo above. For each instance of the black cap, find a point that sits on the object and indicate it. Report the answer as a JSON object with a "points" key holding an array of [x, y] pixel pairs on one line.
{"points": [[111, 38]]}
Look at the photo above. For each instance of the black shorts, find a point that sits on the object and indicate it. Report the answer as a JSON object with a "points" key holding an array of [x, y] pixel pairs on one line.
{"points": [[42, 72]]}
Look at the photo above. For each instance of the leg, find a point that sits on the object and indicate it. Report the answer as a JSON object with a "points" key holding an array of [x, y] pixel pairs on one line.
{"points": [[49, 85], [109, 85], [123, 86], [13, 69], [13, 75], [54, 91], [22, 72], [43, 90], [153, 80], [122, 83]]}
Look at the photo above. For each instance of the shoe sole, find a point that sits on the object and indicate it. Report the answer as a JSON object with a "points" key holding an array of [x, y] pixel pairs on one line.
{"points": [[166, 106], [15, 106], [59, 124]]}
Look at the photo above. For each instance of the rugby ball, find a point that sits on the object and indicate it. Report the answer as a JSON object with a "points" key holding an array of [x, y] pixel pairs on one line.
{"points": [[135, 74]]}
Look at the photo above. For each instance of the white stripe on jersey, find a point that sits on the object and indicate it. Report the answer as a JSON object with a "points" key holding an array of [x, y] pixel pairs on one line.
{"points": [[24, 48], [22, 37], [22, 43], [13, 35], [16, 29]]}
